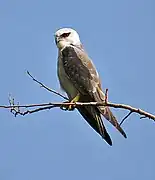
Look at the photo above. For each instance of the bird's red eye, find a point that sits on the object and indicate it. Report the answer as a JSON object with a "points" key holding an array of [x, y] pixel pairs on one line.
{"points": [[65, 35]]}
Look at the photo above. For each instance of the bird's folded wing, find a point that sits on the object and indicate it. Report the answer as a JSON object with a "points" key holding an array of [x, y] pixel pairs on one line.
{"points": [[83, 75], [80, 70]]}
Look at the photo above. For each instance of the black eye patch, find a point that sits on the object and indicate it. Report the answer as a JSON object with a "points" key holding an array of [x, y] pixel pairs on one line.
{"points": [[64, 35]]}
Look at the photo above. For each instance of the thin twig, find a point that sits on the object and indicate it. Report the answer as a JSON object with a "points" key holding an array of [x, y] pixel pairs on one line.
{"points": [[106, 96], [45, 87], [17, 112], [125, 117], [31, 105]]}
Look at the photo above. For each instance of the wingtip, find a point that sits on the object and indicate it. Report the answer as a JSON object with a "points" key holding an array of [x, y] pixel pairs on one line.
{"points": [[125, 135], [122, 131], [108, 141], [107, 138]]}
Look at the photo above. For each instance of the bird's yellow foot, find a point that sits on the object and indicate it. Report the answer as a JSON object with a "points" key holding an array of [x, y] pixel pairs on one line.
{"points": [[70, 107]]}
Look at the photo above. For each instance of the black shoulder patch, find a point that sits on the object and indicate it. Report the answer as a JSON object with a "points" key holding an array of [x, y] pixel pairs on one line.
{"points": [[76, 71]]}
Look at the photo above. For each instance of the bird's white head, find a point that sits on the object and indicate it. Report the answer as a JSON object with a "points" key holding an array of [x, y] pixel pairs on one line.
{"points": [[65, 37]]}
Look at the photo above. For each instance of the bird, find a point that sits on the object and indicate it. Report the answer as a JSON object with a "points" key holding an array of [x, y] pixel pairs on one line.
{"points": [[80, 80]]}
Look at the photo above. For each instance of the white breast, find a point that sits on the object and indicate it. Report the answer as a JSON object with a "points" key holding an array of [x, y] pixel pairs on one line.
{"points": [[65, 83]]}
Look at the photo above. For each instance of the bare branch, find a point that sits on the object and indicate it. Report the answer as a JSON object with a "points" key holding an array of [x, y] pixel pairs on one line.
{"points": [[59, 104], [17, 109], [45, 87]]}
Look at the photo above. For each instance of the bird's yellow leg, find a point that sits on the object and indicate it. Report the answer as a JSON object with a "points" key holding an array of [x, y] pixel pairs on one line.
{"points": [[71, 107], [74, 100]]}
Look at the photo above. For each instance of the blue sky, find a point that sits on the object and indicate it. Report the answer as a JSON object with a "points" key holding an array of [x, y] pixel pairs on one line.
{"points": [[120, 38]]}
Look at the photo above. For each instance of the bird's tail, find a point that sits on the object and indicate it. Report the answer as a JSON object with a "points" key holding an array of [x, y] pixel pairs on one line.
{"points": [[93, 117], [105, 111]]}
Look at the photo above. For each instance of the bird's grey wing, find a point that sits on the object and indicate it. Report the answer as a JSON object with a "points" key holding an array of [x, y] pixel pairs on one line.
{"points": [[81, 78], [79, 70], [92, 115], [84, 77]]}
